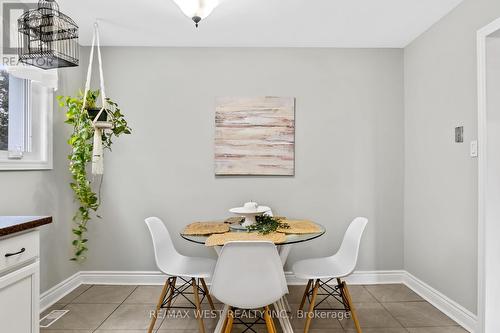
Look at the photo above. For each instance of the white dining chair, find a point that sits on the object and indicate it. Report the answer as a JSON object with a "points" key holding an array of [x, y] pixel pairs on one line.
{"points": [[190, 270], [321, 271], [249, 275]]}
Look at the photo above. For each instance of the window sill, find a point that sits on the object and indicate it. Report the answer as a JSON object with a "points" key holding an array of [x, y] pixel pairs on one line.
{"points": [[17, 165]]}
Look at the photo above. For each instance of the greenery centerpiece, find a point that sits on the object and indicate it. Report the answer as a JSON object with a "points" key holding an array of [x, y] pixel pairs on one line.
{"points": [[82, 144], [266, 224]]}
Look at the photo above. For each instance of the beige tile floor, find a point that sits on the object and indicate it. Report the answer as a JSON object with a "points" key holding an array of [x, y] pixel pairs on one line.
{"points": [[125, 309]]}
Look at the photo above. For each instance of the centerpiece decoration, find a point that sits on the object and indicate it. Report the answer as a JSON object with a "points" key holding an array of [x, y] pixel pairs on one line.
{"points": [[93, 130], [257, 219], [266, 224], [250, 210]]}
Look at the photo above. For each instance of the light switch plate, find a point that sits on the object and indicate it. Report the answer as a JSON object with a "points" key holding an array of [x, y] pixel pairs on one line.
{"points": [[459, 134], [473, 149]]}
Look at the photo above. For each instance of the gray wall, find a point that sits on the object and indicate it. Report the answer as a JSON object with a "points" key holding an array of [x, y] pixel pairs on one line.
{"points": [[440, 177], [349, 153], [47, 193], [349, 147]]}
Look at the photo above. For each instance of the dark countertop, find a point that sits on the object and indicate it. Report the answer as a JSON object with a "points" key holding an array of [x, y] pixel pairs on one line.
{"points": [[13, 224]]}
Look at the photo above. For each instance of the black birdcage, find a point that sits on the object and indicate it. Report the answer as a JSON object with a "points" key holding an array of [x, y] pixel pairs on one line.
{"points": [[48, 38]]}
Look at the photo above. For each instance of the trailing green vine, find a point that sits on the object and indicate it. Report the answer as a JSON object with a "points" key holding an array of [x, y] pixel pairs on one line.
{"points": [[81, 141]]}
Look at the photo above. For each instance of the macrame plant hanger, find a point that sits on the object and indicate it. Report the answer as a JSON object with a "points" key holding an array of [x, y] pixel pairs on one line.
{"points": [[99, 126]]}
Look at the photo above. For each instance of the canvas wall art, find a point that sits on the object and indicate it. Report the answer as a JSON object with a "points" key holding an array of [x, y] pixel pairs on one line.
{"points": [[255, 136]]}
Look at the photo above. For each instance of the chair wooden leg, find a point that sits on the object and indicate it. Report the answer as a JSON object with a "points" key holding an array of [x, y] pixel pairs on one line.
{"points": [[207, 293], [166, 287], [351, 307], [172, 291], [308, 287], [269, 320], [223, 329], [310, 314], [230, 320], [342, 294], [272, 322], [274, 326], [198, 313]]}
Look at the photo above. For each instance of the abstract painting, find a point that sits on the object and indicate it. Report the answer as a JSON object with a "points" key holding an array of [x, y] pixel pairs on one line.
{"points": [[255, 136]]}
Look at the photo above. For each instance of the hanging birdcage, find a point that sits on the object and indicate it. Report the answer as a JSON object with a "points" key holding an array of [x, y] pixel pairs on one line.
{"points": [[48, 38]]}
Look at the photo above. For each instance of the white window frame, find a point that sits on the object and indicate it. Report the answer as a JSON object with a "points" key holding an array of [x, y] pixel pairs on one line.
{"points": [[41, 105]]}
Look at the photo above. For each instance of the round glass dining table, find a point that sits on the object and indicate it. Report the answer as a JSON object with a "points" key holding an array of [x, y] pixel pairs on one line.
{"points": [[290, 238], [282, 307]]}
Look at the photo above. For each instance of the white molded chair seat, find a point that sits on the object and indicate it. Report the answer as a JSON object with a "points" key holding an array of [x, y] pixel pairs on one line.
{"points": [[193, 267], [249, 275], [192, 270], [320, 268], [339, 265], [172, 263]]}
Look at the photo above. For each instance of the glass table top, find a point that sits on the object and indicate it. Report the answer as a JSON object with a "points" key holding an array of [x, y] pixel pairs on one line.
{"points": [[290, 238]]}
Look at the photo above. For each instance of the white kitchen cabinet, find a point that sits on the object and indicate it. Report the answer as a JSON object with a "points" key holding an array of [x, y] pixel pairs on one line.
{"points": [[19, 283]]}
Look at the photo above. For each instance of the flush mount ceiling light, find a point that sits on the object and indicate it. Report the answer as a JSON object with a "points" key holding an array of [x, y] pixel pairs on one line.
{"points": [[197, 10]]}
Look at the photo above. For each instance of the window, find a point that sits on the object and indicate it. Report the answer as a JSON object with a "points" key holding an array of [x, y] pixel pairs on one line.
{"points": [[4, 110], [14, 114], [25, 123]]}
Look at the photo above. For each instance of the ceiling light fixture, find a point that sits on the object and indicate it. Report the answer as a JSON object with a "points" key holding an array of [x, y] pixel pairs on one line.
{"points": [[197, 10]]}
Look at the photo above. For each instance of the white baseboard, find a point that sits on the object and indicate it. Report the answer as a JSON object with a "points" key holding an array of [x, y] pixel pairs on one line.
{"points": [[449, 307], [452, 309], [123, 277], [158, 278], [360, 277], [58, 291], [376, 277]]}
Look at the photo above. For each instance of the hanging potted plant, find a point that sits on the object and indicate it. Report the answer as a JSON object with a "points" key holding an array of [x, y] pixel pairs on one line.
{"points": [[82, 142], [93, 130], [92, 108]]}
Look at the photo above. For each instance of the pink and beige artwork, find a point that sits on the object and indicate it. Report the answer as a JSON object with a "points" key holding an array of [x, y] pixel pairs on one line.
{"points": [[255, 136]]}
